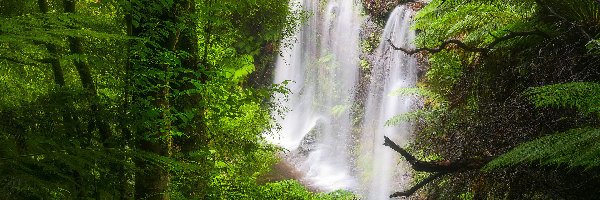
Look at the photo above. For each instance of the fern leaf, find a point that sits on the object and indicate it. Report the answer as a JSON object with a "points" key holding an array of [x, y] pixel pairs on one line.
{"points": [[574, 148], [583, 96]]}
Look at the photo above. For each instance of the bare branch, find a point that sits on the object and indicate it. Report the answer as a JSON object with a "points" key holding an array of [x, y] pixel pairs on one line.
{"points": [[409, 157], [443, 46], [418, 186], [466, 47], [437, 166]]}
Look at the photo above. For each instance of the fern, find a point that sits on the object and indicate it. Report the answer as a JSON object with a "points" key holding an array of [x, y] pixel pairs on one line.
{"points": [[593, 46], [583, 12], [583, 96], [471, 20], [574, 148], [419, 92], [405, 117], [434, 102]]}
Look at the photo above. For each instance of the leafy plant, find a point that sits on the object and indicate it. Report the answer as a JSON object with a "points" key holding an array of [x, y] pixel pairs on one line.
{"points": [[576, 148]]}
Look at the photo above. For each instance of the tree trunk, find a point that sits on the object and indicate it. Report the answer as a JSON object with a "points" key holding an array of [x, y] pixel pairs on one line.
{"points": [[176, 19], [85, 76], [152, 181], [70, 122], [195, 137]]}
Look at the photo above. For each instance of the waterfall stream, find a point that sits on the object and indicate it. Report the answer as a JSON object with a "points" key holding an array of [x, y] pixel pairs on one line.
{"points": [[392, 70], [326, 140]]}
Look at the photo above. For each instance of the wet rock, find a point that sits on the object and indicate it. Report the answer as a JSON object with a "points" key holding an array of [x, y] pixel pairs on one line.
{"points": [[380, 9], [309, 142]]}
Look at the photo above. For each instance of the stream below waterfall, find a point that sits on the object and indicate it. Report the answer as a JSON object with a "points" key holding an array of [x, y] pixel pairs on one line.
{"points": [[334, 140]]}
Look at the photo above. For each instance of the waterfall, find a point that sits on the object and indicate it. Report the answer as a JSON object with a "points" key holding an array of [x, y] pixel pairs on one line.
{"points": [[392, 70], [323, 64], [318, 129]]}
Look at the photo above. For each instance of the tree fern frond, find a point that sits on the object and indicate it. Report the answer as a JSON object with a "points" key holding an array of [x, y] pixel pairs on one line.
{"points": [[427, 115], [593, 46], [583, 96], [581, 11], [430, 95], [574, 148], [470, 21], [404, 117]]}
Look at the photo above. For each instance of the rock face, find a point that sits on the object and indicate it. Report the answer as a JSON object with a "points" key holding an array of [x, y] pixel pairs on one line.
{"points": [[379, 10], [309, 141]]}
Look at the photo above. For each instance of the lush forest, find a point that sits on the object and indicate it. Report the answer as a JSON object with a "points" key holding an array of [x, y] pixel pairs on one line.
{"points": [[139, 99], [511, 100], [172, 99]]}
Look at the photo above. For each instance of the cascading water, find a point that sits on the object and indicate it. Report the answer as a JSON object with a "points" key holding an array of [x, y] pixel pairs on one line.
{"points": [[323, 65], [392, 70]]}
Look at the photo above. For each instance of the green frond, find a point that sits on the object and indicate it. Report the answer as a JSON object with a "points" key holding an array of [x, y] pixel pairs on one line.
{"points": [[421, 114], [471, 21], [434, 102], [405, 117], [583, 96], [594, 46], [574, 148], [417, 91], [584, 12]]}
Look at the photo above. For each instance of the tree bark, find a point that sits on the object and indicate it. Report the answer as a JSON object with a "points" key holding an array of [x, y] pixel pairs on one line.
{"points": [[418, 186], [125, 119], [440, 168], [461, 45], [152, 181], [189, 44], [195, 130]]}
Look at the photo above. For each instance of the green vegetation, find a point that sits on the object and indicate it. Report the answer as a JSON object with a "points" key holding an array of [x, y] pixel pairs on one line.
{"points": [[577, 148], [514, 83], [152, 99], [140, 99]]}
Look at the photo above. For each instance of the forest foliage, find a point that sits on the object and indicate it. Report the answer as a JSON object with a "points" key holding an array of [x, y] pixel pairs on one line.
{"points": [[132, 99], [140, 99], [512, 80]]}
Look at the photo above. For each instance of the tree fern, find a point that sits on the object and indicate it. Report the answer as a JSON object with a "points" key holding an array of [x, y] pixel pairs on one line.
{"points": [[583, 96], [578, 147], [574, 148], [471, 20], [429, 95], [582, 12]]}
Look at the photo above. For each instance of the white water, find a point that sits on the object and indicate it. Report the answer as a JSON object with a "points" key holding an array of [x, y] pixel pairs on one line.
{"points": [[318, 130], [393, 70]]}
